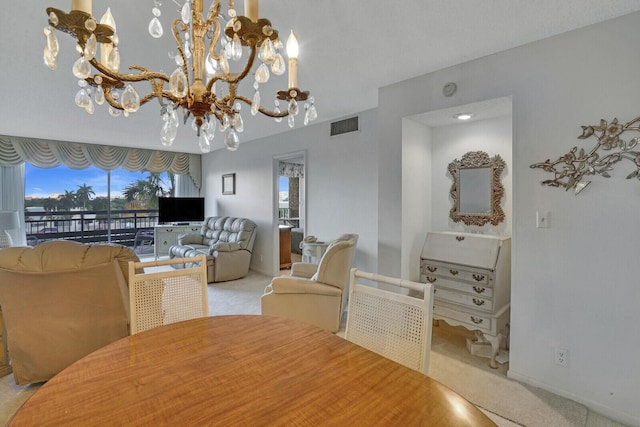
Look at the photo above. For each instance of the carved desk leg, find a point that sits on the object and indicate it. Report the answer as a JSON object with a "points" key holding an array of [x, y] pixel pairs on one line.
{"points": [[495, 346]]}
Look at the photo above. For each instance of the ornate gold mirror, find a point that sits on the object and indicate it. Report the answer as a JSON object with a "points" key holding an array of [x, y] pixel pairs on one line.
{"points": [[477, 189]]}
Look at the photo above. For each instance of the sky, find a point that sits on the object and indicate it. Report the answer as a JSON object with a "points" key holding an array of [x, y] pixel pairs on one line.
{"points": [[43, 183]]}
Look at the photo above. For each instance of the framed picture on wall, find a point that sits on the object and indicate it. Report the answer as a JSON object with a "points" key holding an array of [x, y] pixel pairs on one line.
{"points": [[229, 183]]}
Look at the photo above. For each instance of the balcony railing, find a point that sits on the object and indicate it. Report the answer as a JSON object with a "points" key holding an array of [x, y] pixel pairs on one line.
{"points": [[89, 226]]}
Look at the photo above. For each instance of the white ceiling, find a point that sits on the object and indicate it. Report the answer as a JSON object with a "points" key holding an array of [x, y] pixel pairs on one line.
{"points": [[349, 49]]}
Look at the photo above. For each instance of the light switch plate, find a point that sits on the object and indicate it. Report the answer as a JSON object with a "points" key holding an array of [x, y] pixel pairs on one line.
{"points": [[542, 219]]}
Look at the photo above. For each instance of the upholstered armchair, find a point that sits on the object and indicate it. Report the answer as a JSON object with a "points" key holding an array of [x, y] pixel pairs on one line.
{"points": [[227, 243], [62, 300], [314, 293]]}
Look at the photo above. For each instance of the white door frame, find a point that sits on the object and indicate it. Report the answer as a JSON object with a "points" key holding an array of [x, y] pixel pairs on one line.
{"points": [[302, 154]]}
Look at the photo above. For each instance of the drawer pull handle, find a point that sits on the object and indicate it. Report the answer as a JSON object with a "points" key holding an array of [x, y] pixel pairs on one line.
{"points": [[453, 272], [478, 301], [478, 277], [479, 289], [431, 279], [432, 269], [476, 320], [459, 238]]}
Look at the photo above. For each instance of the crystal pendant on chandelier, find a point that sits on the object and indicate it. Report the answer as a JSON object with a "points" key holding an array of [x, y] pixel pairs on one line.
{"points": [[231, 140], [50, 60], [255, 103], [98, 95], [204, 143], [293, 107], [278, 66], [238, 123], [90, 108], [262, 74], [236, 48], [130, 99], [267, 52], [155, 28], [168, 134], [277, 111], [91, 47], [291, 121], [82, 98], [185, 13], [113, 62], [178, 83], [81, 68], [51, 48], [225, 123]]}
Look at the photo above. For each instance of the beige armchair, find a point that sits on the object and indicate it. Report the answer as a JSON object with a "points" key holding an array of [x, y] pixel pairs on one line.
{"points": [[314, 293], [60, 301]]}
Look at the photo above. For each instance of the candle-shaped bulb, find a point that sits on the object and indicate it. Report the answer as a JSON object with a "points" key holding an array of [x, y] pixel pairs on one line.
{"points": [[107, 19], [292, 46]]}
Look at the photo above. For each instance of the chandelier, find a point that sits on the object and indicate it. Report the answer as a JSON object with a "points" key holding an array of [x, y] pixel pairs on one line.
{"points": [[203, 86]]}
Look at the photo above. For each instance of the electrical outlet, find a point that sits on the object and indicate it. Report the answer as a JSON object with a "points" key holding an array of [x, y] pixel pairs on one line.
{"points": [[562, 357]]}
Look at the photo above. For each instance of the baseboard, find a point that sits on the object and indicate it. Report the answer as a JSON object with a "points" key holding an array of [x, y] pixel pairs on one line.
{"points": [[592, 406]]}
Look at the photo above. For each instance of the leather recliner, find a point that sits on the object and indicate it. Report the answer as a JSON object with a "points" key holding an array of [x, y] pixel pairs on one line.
{"points": [[226, 241]]}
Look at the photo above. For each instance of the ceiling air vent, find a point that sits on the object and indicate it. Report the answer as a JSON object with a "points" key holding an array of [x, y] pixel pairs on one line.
{"points": [[344, 126]]}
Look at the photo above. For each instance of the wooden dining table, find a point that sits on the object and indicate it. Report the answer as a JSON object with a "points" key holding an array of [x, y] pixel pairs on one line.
{"points": [[247, 370]]}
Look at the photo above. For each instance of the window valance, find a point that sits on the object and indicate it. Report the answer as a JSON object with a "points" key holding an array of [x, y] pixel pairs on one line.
{"points": [[15, 150], [291, 170]]}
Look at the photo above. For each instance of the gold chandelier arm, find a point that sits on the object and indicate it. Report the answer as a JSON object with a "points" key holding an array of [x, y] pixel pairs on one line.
{"points": [[247, 67], [262, 109], [144, 75], [176, 36]]}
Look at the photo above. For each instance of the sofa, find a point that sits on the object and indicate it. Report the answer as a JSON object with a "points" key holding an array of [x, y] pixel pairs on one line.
{"points": [[227, 243], [60, 301]]}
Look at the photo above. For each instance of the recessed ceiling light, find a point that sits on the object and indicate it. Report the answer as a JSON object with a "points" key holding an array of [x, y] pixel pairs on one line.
{"points": [[463, 116]]}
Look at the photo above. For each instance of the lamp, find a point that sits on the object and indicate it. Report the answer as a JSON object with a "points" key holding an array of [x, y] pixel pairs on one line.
{"points": [[8, 221], [203, 84]]}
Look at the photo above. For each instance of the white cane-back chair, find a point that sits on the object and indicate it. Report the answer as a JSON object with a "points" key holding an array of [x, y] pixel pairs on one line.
{"points": [[394, 325], [160, 295]]}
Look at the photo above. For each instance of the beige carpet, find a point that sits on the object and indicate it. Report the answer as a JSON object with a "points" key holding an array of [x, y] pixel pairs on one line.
{"points": [[507, 402]]}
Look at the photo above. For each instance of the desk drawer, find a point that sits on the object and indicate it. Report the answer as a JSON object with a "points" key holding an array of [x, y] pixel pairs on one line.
{"points": [[477, 290], [471, 301], [469, 321], [478, 277]]}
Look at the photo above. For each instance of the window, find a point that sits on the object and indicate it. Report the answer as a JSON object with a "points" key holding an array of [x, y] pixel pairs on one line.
{"points": [[91, 205]]}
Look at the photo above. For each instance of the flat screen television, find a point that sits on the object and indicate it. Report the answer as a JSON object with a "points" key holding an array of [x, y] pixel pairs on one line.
{"points": [[173, 210]]}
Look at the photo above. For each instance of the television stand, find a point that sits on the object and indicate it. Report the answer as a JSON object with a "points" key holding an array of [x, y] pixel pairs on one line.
{"points": [[166, 236]]}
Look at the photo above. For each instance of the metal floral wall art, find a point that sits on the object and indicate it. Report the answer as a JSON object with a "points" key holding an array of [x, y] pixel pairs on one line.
{"points": [[571, 169]]}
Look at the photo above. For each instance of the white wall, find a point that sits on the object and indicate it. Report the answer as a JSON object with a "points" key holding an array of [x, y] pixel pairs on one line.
{"points": [[341, 187], [574, 285], [417, 191]]}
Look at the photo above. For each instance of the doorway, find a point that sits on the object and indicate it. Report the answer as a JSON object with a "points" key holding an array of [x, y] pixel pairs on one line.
{"points": [[289, 212]]}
